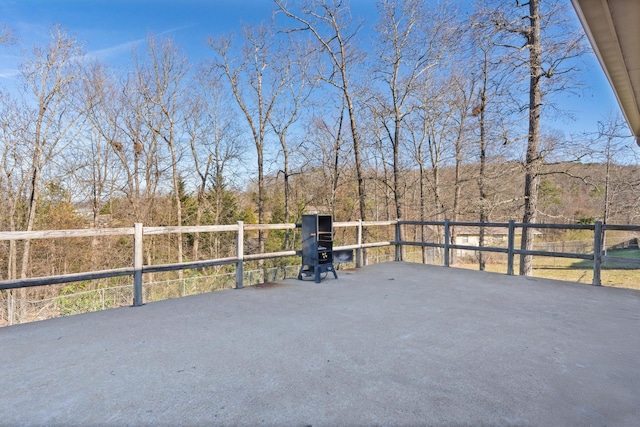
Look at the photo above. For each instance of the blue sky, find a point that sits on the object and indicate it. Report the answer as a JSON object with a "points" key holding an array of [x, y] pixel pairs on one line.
{"points": [[110, 28]]}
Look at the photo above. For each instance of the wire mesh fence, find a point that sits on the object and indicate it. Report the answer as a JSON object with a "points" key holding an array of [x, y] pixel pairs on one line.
{"points": [[15, 310], [572, 246]]}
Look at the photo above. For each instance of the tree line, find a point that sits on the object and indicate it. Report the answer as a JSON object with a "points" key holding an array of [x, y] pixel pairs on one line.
{"points": [[428, 112]]}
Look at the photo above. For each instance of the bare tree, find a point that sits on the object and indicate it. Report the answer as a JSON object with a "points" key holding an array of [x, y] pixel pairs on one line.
{"points": [[484, 45], [297, 88], [435, 117], [486, 66], [548, 47], [411, 39], [6, 34], [381, 161], [429, 133], [14, 176], [214, 141], [614, 142], [13, 183], [135, 146], [49, 74], [45, 119], [92, 166], [256, 85], [327, 135], [461, 100], [329, 23], [162, 85]]}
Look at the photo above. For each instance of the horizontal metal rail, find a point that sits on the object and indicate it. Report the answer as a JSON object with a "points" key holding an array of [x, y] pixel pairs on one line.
{"points": [[620, 227], [65, 278], [500, 250], [187, 265], [554, 254]]}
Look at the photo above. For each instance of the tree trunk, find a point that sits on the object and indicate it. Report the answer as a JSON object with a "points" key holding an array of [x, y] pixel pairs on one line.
{"points": [[458, 175], [287, 196], [396, 180], [484, 217], [533, 160], [356, 153], [196, 236], [423, 213]]}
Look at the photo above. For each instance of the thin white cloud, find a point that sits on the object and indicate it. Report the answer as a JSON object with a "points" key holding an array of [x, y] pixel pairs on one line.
{"points": [[176, 29], [9, 73], [127, 47], [9, 66], [114, 51]]}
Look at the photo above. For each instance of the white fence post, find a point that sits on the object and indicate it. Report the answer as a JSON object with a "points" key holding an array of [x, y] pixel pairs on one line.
{"points": [[240, 255], [138, 249], [359, 243]]}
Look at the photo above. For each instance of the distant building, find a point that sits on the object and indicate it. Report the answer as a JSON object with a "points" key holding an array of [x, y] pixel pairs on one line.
{"points": [[493, 236], [87, 217]]}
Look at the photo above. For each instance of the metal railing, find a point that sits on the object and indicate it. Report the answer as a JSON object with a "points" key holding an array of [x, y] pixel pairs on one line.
{"points": [[138, 231], [597, 256], [138, 269]]}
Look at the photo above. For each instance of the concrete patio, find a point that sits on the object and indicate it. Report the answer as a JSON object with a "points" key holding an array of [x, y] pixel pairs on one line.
{"points": [[389, 344]]}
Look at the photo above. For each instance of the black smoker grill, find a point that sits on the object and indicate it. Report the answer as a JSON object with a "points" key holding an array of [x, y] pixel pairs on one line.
{"points": [[317, 246]]}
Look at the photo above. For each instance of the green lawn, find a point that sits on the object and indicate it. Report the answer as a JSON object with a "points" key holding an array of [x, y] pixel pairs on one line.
{"points": [[625, 253], [623, 256]]}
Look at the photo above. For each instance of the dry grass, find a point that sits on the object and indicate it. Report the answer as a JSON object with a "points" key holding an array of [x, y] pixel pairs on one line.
{"points": [[579, 271]]}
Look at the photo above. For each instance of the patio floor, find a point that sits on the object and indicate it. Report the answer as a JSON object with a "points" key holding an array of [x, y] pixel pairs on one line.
{"points": [[388, 344]]}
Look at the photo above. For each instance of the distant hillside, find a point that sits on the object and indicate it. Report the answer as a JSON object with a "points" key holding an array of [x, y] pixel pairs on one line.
{"points": [[569, 193]]}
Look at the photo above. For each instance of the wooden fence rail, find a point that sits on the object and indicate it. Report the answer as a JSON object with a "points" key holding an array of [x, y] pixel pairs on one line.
{"points": [[139, 232]]}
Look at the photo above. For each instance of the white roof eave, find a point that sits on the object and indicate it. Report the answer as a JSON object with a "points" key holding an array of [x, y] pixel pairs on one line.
{"points": [[613, 31]]}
